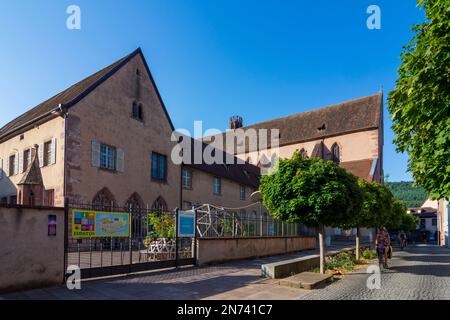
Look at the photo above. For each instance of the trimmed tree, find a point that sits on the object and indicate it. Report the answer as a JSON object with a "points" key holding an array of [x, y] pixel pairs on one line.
{"points": [[420, 103], [313, 192]]}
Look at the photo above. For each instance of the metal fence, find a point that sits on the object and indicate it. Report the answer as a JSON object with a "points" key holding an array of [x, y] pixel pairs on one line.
{"points": [[219, 223]]}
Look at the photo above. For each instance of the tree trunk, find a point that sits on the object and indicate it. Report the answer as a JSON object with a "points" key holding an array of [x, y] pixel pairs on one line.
{"points": [[357, 252], [321, 249]]}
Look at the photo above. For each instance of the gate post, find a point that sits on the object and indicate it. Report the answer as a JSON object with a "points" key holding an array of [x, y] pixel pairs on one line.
{"points": [[130, 241], [176, 237], [66, 237]]}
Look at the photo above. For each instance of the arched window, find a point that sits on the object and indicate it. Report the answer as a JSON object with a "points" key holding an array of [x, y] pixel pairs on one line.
{"points": [[104, 200], [134, 203], [336, 153], [303, 153], [135, 206], [159, 206]]}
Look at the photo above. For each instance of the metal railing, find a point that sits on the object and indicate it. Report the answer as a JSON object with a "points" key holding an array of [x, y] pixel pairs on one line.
{"points": [[219, 223]]}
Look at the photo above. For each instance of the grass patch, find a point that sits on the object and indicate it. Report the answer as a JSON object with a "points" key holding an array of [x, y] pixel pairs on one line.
{"points": [[338, 264], [369, 254]]}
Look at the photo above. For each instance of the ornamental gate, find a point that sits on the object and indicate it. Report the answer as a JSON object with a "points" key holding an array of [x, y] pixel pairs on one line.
{"points": [[108, 240]]}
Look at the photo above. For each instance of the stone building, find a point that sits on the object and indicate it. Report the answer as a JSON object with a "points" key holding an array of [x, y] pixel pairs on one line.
{"points": [[107, 141], [349, 133]]}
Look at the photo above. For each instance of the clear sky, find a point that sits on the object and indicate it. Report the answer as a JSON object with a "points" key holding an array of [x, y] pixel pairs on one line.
{"points": [[212, 59]]}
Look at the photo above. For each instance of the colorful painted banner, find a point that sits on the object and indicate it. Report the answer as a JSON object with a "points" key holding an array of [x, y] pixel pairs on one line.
{"points": [[96, 224]]}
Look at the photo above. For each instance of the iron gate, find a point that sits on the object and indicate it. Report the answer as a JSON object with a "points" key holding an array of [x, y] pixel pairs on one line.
{"points": [[152, 242]]}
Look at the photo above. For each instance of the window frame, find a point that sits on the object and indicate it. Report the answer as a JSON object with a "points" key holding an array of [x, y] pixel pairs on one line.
{"points": [[242, 193], [159, 157], [335, 159], [186, 178], [12, 165], [219, 184], [26, 157], [107, 156]]}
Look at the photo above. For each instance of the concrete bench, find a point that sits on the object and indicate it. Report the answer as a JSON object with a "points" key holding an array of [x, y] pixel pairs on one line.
{"points": [[286, 268]]}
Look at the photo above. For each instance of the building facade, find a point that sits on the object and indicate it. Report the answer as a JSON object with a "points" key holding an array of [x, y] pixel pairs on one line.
{"points": [[106, 141]]}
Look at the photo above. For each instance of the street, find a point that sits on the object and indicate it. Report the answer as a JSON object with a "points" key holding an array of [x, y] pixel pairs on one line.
{"points": [[419, 272]]}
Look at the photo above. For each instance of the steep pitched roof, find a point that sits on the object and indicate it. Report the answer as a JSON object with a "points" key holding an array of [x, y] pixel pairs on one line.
{"points": [[346, 117], [73, 95], [32, 175]]}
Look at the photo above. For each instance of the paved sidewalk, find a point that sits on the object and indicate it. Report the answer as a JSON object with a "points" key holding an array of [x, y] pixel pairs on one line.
{"points": [[420, 272], [234, 280]]}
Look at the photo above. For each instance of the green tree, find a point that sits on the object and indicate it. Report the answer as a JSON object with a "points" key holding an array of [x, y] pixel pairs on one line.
{"points": [[411, 196], [420, 103], [313, 192]]}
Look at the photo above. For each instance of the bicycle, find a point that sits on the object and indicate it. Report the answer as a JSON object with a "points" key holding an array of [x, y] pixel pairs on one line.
{"points": [[402, 244], [380, 252]]}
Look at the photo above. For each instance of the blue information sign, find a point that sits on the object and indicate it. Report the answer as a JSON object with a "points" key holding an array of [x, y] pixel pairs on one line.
{"points": [[186, 223]]}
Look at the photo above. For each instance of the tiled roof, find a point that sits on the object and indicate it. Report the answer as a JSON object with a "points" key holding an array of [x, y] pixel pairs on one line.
{"points": [[71, 96], [346, 117], [359, 168], [245, 173]]}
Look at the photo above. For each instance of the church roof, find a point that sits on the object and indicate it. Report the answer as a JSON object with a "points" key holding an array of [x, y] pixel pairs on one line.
{"points": [[70, 97]]}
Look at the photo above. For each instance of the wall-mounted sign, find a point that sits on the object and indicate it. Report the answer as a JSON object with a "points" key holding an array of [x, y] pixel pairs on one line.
{"points": [[97, 224], [186, 223], [51, 225]]}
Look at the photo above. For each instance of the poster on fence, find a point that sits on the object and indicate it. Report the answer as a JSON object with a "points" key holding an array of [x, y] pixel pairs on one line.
{"points": [[96, 224]]}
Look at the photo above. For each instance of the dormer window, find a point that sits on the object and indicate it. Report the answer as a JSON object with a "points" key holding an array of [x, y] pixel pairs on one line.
{"points": [[321, 128]]}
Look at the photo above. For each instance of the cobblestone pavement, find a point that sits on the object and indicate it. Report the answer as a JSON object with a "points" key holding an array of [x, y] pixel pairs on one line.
{"points": [[420, 272]]}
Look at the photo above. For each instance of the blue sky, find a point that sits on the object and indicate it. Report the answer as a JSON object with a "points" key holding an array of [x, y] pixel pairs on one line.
{"points": [[212, 59]]}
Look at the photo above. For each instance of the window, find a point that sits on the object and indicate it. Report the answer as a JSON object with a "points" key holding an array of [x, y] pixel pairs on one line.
{"points": [[50, 198], [137, 111], [107, 157], [187, 179], [336, 156], [47, 153], [216, 187], [303, 153], [26, 159], [159, 206], [12, 165], [159, 163], [4, 200], [242, 192], [434, 222]]}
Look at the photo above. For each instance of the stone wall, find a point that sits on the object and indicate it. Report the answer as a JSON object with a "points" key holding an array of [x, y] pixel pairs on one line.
{"points": [[29, 257], [227, 249]]}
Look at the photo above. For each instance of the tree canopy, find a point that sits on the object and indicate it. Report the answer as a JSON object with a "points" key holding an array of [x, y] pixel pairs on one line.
{"points": [[420, 103], [311, 191]]}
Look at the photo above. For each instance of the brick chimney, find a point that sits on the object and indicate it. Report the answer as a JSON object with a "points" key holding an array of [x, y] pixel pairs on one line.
{"points": [[236, 122]]}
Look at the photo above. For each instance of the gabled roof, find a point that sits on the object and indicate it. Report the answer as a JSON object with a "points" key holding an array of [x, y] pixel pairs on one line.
{"points": [[73, 95], [342, 118]]}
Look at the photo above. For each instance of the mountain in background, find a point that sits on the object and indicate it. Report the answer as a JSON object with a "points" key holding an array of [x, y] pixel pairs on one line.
{"points": [[412, 197]]}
